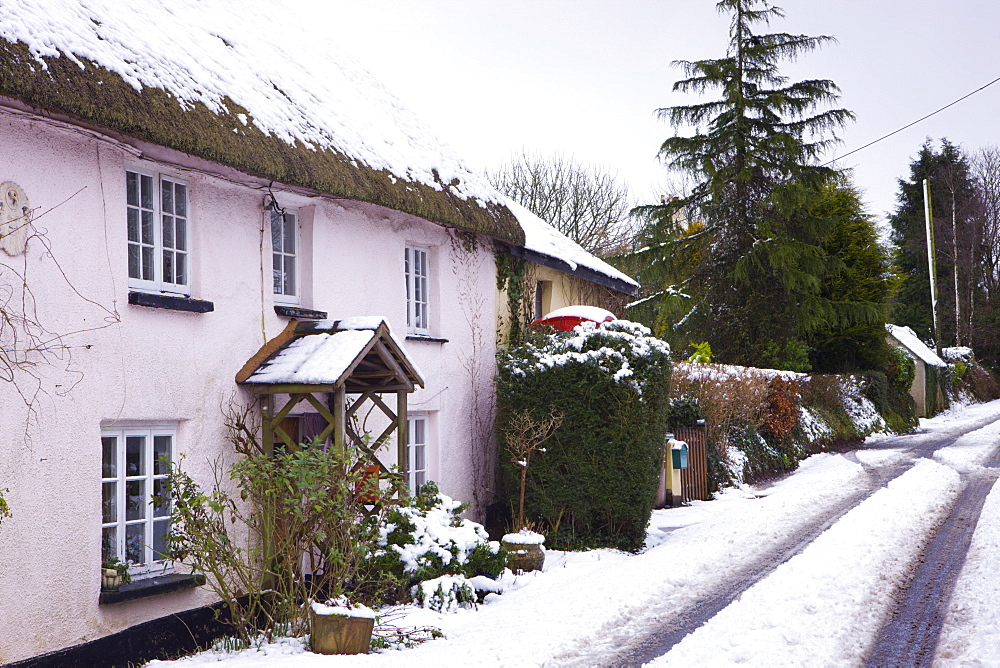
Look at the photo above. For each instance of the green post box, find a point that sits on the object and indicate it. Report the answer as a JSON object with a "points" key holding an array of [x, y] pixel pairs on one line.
{"points": [[679, 454]]}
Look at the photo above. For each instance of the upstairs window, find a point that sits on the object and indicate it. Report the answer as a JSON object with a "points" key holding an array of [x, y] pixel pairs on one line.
{"points": [[417, 273], [157, 215], [135, 509], [284, 251]]}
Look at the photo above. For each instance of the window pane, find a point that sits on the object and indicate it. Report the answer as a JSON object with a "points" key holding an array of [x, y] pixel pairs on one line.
{"points": [[147, 227], [276, 235], [419, 478], [160, 501], [133, 261], [180, 234], [419, 462], [109, 502], [180, 268], [180, 200], [109, 456], [135, 455], [166, 196], [135, 499], [147, 263], [168, 266], [161, 455], [289, 236], [146, 201], [160, 539], [135, 541], [277, 273], [418, 432], [133, 224], [168, 231], [109, 542], [132, 188], [289, 275]]}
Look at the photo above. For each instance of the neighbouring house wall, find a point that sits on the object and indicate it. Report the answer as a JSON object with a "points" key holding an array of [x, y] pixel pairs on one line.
{"points": [[115, 362], [559, 289]]}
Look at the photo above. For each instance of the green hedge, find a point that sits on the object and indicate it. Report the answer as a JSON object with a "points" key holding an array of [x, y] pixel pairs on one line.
{"points": [[595, 483]]}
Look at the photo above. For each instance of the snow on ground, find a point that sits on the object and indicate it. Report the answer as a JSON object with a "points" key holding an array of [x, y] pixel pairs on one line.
{"points": [[970, 635], [828, 600], [824, 604]]}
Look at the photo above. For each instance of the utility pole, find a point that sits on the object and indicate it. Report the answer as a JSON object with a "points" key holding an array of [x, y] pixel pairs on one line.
{"points": [[932, 272]]}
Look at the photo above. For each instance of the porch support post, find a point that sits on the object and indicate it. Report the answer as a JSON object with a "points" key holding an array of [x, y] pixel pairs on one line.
{"points": [[402, 437], [339, 412], [267, 417]]}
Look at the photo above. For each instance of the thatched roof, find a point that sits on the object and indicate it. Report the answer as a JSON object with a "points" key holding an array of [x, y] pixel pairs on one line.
{"points": [[206, 96]]}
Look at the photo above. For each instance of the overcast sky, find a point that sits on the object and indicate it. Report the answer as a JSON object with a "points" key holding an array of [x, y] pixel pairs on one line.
{"points": [[584, 77]]}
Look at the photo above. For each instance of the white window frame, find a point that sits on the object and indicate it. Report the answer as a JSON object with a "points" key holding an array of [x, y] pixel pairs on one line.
{"points": [[417, 269], [149, 476], [417, 450], [284, 227], [151, 254]]}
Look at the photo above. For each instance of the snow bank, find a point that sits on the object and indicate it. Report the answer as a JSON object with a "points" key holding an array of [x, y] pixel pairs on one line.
{"points": [[831, 599]]}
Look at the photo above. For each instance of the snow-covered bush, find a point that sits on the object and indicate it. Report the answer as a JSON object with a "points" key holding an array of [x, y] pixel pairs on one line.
{"points": [[447, 593], [595, 484], [428, 539]]}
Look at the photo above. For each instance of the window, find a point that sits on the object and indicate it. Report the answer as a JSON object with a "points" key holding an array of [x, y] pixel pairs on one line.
{"points": [[134, 513], [157, 213], [284, 242], [416, 452], [417, 320]]}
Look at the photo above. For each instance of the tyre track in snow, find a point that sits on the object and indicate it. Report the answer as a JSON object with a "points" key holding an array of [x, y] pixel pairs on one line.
{"points": [[911, 635], [685, 621]]}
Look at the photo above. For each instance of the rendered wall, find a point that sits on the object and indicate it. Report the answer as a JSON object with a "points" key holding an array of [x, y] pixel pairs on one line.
{"points": [[112, 362]]}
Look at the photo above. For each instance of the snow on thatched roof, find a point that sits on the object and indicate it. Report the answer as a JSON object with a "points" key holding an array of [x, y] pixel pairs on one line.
{"points": [[909, 340], [221, 81], [225, 82], [543, 239]]}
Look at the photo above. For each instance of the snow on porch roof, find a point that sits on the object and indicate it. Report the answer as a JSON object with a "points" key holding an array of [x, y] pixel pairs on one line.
{"points": [[357, 353], [909, 340]]}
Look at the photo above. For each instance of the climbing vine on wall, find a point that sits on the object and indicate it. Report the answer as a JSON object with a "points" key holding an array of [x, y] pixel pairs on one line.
{"points": [[511, 274]]}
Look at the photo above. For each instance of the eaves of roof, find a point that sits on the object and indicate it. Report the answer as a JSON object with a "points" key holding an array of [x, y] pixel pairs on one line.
{"points": [[579, 271], [97, 96]]}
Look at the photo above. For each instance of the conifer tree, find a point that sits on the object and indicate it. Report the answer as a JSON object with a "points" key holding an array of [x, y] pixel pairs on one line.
{"points": [[957, 212], [753, 155]]}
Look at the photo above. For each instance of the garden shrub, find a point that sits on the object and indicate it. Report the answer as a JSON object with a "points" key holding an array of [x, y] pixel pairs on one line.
{"points": [[763, 457], [427, 539], [595, 484]]}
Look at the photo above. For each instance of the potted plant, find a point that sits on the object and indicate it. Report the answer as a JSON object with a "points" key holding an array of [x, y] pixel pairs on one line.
{"points": [[114, 574], [524, 435], [340, 628]]}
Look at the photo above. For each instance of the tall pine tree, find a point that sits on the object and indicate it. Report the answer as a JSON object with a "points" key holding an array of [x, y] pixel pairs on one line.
{"points": [[957, 209], [753, 156]]}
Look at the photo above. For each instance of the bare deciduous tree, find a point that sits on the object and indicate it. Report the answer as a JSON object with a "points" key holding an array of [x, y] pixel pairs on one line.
{"points": [[587, 204]]}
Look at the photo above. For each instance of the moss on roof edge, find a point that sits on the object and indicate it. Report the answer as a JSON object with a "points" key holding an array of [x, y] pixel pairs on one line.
{"points": [[95, 94]]}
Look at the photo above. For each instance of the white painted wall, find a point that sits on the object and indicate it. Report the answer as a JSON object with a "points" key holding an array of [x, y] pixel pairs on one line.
{"points": [[123, 362]]}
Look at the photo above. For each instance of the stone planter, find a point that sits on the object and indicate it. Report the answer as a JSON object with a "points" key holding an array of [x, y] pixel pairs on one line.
{"points": [[339, 631], [525, 551], [111, 579]]}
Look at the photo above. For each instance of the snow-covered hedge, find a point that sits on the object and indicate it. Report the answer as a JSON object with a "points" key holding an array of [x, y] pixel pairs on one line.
{"points": [[595, 483]]}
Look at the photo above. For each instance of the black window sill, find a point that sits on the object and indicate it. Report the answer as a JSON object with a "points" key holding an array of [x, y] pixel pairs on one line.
{"points": [[429, 339], [301, 313], [170, 302], [160, 584]]}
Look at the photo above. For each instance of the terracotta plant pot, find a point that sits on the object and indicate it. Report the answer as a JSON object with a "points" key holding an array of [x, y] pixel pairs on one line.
{"points": [[340, 634], [525, 551], [111, 580]]}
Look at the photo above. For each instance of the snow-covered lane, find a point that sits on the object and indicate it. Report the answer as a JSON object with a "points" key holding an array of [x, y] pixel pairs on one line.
{"points": [[824, 606]]}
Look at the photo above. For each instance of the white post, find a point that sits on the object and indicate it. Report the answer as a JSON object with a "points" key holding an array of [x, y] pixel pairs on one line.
{"points": [[930, 260]]}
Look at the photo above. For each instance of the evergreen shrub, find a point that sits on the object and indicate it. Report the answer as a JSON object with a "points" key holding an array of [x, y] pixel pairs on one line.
{"points": [[595, 484]]}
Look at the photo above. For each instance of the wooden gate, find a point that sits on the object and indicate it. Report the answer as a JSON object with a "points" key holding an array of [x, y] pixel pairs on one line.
{"points": [[694, 479]]}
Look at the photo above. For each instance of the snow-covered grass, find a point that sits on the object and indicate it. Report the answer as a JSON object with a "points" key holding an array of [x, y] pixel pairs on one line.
{"points": [[824, 604]]}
